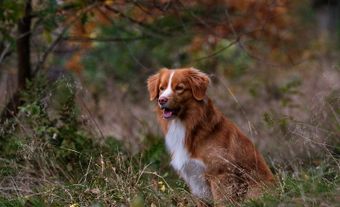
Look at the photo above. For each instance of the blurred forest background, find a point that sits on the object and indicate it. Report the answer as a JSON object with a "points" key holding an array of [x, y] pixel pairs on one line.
{"points": [[76, 125]]}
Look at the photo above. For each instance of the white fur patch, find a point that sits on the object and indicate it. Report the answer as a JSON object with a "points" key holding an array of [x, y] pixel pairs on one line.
{"points": [[191, 170], [175, 144], [168, 91]]}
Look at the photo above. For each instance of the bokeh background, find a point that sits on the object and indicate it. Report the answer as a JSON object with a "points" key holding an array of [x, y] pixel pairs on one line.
{"points": [[74, 100]]}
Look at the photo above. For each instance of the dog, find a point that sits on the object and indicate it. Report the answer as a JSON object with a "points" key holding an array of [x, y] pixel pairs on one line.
{"points": [[216, 160]]}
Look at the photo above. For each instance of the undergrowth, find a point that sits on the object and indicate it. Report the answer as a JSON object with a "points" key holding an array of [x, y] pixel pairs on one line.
{"points": [[49, 157]]}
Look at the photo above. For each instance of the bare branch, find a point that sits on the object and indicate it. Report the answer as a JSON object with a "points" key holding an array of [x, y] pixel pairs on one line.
{"points": [[104, 39], [218, 51], [47, 52], [60, 38], [5, 52]]}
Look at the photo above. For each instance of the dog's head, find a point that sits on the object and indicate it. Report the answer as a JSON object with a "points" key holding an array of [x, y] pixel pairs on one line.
{"points": [[176, 89]]}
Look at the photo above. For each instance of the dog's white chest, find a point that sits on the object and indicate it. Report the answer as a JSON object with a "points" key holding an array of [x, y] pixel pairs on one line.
{"points": [[191, 170], [175, 144]]}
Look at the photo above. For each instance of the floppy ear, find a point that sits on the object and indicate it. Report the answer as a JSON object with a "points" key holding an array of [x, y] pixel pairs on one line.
{"points": [[199, 82], [153, 82]]}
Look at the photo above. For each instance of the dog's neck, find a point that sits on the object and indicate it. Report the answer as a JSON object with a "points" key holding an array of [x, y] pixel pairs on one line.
{"points": [[198, 113], [200, 122]]}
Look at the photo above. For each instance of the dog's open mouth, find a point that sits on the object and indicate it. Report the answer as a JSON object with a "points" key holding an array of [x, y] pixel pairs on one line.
{"points": [[169, 113]]}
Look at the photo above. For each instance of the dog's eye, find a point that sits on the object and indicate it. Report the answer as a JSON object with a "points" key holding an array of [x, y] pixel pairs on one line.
{"points": [[179, 88], [161, 88]]}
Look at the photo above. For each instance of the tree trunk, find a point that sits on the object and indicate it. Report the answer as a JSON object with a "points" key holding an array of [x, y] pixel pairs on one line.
{"points": [[23, 47], [24, 62]]}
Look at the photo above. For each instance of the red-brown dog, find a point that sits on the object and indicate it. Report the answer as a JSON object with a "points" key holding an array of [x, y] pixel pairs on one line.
{"points": [[216, 160]]}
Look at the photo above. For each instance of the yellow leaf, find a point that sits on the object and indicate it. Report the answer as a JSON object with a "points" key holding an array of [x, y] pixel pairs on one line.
{"points": [[163, 188]]}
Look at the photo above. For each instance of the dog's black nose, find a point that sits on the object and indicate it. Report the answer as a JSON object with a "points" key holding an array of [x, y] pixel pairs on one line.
{"points": [[162, 100]]}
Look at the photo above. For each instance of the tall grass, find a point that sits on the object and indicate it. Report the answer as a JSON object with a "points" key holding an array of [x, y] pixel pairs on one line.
{"points": [[56, 151]]}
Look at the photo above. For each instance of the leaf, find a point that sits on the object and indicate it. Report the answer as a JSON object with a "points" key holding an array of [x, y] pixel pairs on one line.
{"points": [[47, 36]]}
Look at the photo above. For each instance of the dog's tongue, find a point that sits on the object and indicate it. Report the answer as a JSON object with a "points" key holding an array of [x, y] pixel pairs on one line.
{"points": [[167, 113]]}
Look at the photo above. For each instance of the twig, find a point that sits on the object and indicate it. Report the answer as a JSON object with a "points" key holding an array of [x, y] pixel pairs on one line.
{"points": [[218, 51], [47, 52], [88, 169], [134, 57], [334, 113], [142, 172], [104, 39], [69, 149]]}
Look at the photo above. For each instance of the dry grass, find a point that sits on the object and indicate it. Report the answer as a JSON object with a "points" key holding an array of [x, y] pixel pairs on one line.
{"points": [[293, 116]]}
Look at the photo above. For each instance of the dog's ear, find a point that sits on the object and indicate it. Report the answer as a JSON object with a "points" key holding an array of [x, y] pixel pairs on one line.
{"points": [[199, 83], [153, 82]]}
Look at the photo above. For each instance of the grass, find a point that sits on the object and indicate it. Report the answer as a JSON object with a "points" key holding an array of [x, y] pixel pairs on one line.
{"points": [[120, 179], [308, 186], [49, 157]]}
